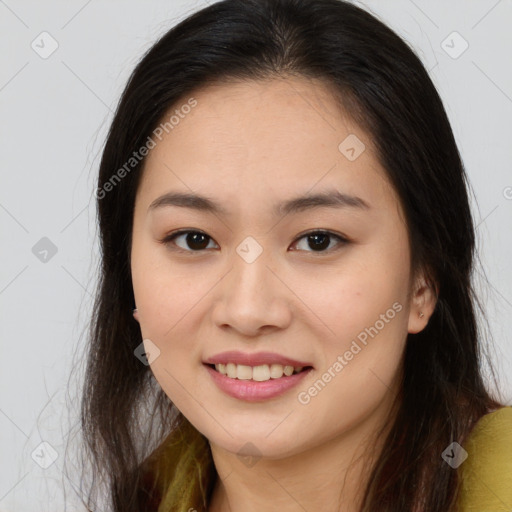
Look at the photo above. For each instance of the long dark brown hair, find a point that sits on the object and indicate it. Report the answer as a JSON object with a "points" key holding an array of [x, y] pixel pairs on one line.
{"points": [[382, 84]]}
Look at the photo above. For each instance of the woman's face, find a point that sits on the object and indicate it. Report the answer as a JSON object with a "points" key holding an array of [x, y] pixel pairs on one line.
{"points": [[252, 280]]}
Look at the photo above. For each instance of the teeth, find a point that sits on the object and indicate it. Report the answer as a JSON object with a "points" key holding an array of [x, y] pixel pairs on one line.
{"points": [[258, 373]]}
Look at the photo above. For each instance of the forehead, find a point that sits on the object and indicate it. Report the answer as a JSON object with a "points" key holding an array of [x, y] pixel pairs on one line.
{"points": [[248, 141]]}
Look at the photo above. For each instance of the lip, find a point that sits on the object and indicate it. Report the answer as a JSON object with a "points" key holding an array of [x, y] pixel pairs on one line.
{"points": [[253, 391], [256, 359]]}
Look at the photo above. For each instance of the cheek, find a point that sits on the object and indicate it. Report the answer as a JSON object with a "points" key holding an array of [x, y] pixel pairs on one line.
{"points": [[349, 297], [363, 309], [164, 291], [169, 306], [171, 299]]}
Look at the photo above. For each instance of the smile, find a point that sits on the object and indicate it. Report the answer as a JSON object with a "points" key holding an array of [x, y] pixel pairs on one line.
{"points": [[258, 373], [246, 386]]}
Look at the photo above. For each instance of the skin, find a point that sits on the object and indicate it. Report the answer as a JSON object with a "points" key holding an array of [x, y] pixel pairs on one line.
{"points": [[249, 145]]}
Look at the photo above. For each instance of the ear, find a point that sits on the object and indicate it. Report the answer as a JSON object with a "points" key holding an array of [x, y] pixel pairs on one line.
{"points": [[136, 314], [423, 302]]}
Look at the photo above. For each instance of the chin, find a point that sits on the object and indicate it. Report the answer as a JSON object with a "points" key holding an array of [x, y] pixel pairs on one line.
{"points": [[256, 444]]}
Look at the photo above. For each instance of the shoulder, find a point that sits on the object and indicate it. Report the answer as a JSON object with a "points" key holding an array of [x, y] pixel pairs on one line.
{"points": [[486, 474]]}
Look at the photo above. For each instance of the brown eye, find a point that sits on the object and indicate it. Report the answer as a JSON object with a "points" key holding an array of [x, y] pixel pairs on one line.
{"points": [[197, 241], [194, 241], [318, 241]]}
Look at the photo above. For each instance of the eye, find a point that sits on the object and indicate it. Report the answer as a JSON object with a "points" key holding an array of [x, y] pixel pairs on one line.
{"points": [[195, 239], [320, 239]]}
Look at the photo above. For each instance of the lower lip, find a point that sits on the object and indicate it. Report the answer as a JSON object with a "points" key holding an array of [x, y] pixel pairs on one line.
{"points": [[254, 391]]}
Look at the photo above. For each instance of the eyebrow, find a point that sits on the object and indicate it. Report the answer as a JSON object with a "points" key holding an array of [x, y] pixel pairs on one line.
{"points": [[328, 199]]}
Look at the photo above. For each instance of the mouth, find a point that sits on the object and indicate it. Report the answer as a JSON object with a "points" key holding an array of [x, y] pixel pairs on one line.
{"points": [[258, 383], [259, 373]]}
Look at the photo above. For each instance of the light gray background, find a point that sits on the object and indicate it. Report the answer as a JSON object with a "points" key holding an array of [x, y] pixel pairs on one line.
{"points": [[55, 113]]}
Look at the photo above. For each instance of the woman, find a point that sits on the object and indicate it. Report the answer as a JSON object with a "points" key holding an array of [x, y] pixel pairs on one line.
{"points": [[285, 318]]}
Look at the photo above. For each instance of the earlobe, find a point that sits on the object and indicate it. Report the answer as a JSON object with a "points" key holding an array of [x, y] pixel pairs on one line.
{"points": [[417, 321], [423, 303], [136, 314]]}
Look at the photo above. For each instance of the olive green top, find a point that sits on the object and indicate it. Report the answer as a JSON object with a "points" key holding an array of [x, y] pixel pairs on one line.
{"points": [[484, 465], [487, 471]]}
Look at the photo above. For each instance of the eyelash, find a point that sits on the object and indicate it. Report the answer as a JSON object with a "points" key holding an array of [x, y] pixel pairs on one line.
{"points": [[171, 236]]}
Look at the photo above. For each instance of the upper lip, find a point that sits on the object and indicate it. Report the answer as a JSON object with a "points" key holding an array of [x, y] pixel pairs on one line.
{"points": [[255, 359]]}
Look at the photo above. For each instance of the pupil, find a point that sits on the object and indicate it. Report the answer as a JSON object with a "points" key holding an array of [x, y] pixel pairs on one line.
{"points": [[323, 237], [192, 238]]}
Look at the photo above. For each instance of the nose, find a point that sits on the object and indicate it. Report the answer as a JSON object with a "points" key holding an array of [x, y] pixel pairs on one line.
{"points": [[252, 298]]}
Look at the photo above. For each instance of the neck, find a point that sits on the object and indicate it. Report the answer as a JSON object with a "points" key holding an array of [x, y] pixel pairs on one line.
{"points": [[328, 476]]}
